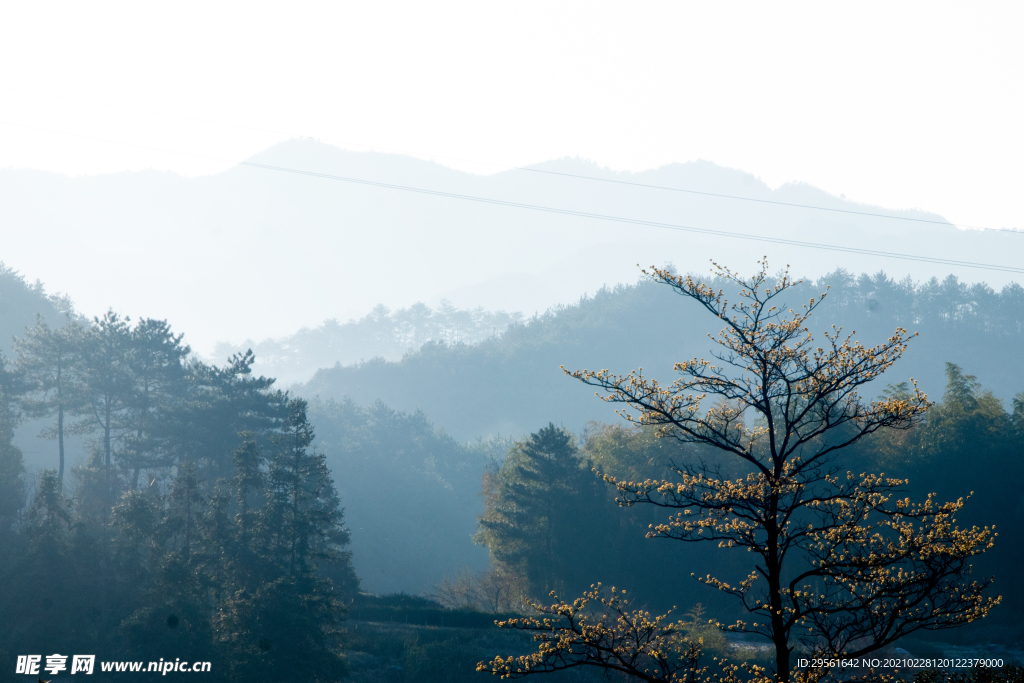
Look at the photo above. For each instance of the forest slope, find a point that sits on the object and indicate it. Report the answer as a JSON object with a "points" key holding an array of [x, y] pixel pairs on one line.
{"points": [[512, 384]]}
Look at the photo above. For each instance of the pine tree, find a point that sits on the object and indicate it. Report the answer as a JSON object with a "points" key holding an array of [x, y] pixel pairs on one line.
{"points": [[540, 507], [1017, 419], [282, 613], [46, 593], [220, 405], [107, 385], [50, 360], [157, 363], [174, 607], [12, 465]]}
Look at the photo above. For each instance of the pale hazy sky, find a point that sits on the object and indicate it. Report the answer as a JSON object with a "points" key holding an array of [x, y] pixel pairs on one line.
{"points": [[897, 104]]}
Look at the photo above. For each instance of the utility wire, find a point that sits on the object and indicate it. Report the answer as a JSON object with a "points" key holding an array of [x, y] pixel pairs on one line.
{"points": [[638, 221], [565, 212], [770, 201], [520, 168]]}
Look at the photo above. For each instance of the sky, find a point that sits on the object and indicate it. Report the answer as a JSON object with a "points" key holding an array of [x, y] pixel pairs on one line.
{"points": [[902, 105], [896, 105]]}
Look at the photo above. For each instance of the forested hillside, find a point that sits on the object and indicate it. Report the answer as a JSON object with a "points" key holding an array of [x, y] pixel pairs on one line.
{"points": [[191, 499], [553, 524], [382, 333], [411, 493], [511, 384], [432, 478], [21, 302]]}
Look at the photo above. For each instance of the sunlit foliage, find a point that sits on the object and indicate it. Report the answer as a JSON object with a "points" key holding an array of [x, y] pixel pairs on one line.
{"points": [[841, 561]]}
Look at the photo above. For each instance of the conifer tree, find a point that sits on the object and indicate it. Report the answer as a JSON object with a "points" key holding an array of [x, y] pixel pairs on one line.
{"points": [[166, 538], [12, 465], [106, 390], [221, 404], [282, 613], [539, 507], [158, 374], [50, 359], [46, 579], [1017, 418]]}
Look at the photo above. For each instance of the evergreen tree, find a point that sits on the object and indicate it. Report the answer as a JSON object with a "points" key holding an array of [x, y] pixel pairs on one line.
{"points": [[12, 486], [12, 465], [43, 596], [967, 432], [303, 498], [1017, 419], [158, 373], [137, 552], [542, 508], [283, 625], [50, 360], [175, 612], [221, 404], [12, 502], [107, 385]]}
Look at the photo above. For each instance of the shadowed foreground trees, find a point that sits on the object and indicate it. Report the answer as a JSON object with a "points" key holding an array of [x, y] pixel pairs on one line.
{"points": [[840, 561], [204, 521]]}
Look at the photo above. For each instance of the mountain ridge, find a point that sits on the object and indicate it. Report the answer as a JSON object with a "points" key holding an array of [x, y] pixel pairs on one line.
{"points": [[255, 253]]}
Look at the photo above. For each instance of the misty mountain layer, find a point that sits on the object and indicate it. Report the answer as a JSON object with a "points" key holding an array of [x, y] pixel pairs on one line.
{"points": [[259, 253]]}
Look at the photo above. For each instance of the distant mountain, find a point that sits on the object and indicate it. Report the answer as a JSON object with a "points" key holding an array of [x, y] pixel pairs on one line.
{"points": [[382, 334], [20, 304], [411, 494], [257, 253], [512, 385]]}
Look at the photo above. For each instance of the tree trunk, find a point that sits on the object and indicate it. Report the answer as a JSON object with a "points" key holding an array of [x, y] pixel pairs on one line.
{"points": [[106, 448], [775, 597], [60, 428], [60, 446]]}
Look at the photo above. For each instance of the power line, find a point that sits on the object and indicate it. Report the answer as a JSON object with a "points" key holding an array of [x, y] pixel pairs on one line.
{"points": [[770, 201], [565, 212], [638, 221], [521, 168]]}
